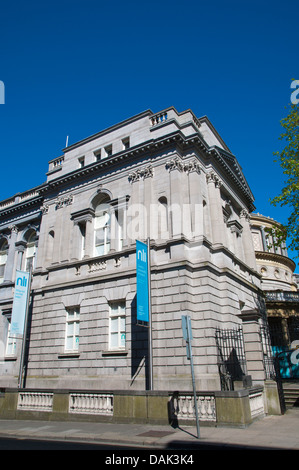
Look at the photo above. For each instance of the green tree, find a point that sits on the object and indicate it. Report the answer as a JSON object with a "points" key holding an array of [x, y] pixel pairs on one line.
{"points": [[288, 159]]}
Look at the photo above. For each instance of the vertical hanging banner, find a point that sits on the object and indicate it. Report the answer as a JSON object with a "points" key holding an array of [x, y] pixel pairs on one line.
{"points": [[142, 282], [19, 303]]}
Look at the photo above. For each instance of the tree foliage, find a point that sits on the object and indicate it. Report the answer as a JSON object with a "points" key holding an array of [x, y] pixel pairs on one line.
{"points": [[288, 159]]}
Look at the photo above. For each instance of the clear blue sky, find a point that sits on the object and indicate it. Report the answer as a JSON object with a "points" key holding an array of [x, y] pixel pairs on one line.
{"points": [[74, 67]]}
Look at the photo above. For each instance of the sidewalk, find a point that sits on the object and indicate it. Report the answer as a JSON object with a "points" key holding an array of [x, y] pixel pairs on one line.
{"points": [[271, 433]]}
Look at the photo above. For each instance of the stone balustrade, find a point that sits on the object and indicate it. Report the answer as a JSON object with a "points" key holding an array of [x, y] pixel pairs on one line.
{"points": [[35, 401], [182, 407], [91, 403]]}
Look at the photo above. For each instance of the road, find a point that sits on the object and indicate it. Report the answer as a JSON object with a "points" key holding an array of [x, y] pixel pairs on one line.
{"points": [[176, 448]]}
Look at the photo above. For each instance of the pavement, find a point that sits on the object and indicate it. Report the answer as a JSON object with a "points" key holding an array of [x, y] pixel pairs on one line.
{"points": [[269, 433]]}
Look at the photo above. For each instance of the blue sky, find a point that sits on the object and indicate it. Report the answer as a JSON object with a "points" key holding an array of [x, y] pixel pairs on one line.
{"points": [[74, 67]]}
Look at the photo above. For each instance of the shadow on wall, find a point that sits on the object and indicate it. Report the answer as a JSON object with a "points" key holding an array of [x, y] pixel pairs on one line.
{"points": [[139, 348]]}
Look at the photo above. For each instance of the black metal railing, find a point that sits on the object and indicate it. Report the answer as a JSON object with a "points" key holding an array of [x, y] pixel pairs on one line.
{"points": [[231, 356]]}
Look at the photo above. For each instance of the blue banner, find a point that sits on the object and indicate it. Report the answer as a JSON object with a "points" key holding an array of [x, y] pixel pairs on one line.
{"points": [[142, 282], [19, 303]]}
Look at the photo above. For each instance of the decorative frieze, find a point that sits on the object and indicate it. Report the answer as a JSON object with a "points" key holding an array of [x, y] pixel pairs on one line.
{"points": [[45, 209], [97, 266], [178, 164], [212, 177], [141, 174], [64, 201]]}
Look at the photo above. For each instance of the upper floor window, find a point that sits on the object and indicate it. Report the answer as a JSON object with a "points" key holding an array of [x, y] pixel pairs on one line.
{"points": [[102, 228], [81, 162], [3, 258], [126, 143], [108, 151], [30, 252]]}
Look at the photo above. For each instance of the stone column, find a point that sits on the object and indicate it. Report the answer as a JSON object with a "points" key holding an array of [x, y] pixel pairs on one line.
{"points": [[175, 168], [89, 239], [253, 346], [76, 249], [247, 240], [9, 267], [196, 202], [215, 204]]}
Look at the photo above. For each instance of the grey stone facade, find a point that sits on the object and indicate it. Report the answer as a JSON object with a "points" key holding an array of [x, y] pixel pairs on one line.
{"points": [[167, 176]]}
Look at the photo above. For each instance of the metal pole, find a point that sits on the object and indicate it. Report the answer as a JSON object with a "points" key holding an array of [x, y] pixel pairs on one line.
{"points": [[150, 341], [194, 388], [22, 358]]}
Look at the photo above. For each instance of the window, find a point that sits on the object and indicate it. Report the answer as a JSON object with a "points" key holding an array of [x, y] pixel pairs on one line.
{"points": [[82, 227], [72, 330], [11, 344], [30, 252], [102, 229], [108, 151], [97, 155], [117, 326], [126, 143], [3, 259], [81, 161]]}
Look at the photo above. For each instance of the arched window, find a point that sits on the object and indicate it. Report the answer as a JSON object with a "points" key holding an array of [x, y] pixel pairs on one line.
{"points": [[102, 226], [3, 258]]}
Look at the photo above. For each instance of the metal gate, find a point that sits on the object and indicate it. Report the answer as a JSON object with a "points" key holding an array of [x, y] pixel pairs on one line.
{"points": [[231, 356]]}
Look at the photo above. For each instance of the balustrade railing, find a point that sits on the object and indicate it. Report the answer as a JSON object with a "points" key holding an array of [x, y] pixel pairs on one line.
{"points": [[35, 401], [182, 407], [91, 403]]}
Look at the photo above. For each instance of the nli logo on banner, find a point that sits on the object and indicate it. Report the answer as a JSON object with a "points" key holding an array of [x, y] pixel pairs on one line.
{"points": [[142, 281], [19, 303]]}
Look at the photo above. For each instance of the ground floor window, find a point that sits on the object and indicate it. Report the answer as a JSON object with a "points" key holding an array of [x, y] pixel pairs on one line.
{"points": [[11, 343], [117, 326], [72, 329]]}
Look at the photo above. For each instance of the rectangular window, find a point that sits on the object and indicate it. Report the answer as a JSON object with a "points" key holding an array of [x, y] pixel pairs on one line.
{"points": [[97, 155], [126, 143], [11, 344], [82, 227], [117, 326], [72, 330], [102, 233], [108, 151], [3, 259], [81, 161]]}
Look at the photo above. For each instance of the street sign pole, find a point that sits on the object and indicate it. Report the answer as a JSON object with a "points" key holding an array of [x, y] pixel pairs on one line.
{"points": [[150, 339], [144, 304], [22, 358], [187, 334]]}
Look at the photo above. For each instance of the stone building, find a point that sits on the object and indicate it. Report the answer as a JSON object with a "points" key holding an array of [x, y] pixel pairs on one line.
{"points": [[281, 292], [168, 177]]}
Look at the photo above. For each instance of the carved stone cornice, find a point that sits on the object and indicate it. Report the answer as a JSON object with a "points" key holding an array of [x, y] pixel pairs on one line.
{"points": [[275, 258]]}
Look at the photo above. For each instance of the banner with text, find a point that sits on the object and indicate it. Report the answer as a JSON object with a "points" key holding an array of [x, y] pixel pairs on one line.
{"points": [[142, 282], [19, 303]]}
